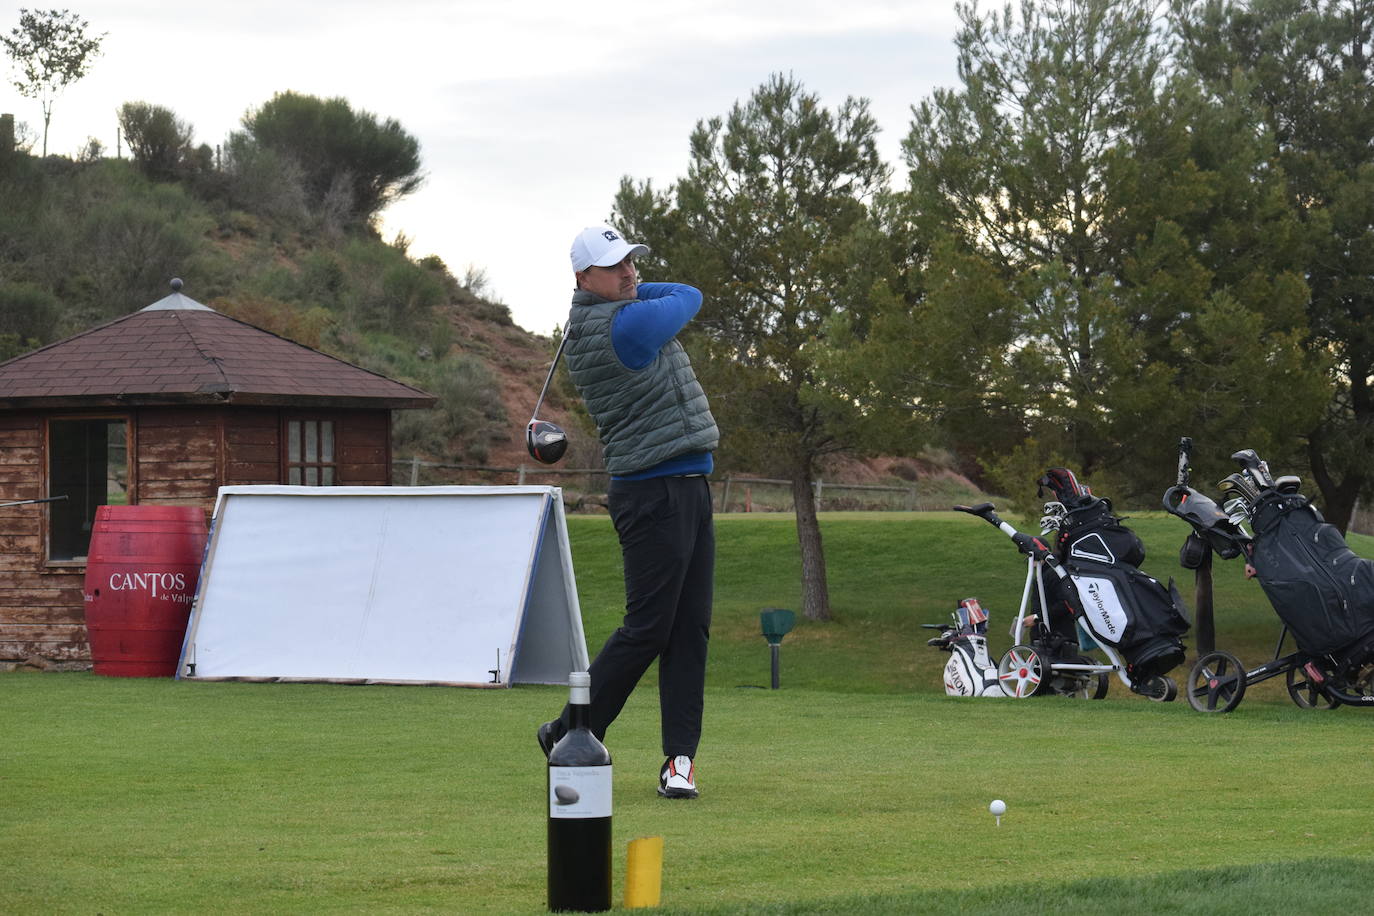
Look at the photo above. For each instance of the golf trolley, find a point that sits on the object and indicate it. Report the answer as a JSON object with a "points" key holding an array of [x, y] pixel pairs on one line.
{"points": [[1047, 656], [1322, 592]]}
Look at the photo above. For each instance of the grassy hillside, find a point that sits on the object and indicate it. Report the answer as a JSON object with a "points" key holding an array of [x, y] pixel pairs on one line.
{"points": [[83, 243]]}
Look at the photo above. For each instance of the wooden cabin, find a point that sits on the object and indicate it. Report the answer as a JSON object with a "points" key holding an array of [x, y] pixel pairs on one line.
{"points": [[163, 406]]}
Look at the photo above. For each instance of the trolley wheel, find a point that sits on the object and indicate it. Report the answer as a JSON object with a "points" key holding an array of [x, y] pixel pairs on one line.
{"points": [[1305, 692], [1100, 688], [1161, 689], [1216, 683], [1362, 681], [1021, 672], [1087, 685]]}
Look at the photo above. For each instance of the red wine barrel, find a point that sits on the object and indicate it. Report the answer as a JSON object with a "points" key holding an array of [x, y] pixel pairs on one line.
{"points": [[141, 575]]}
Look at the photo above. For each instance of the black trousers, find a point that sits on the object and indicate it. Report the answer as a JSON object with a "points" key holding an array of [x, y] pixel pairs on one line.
{"points": [[668, 542]]}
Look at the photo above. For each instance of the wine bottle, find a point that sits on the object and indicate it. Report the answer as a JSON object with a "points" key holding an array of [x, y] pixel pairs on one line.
{"points": [[579, 810]]}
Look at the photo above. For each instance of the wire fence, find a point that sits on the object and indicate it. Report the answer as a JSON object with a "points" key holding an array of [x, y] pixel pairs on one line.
{"points": [[584, 489]]}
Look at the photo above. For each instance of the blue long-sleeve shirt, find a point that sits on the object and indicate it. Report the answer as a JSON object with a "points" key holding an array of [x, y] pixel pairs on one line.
{"points": [[638, 331]]}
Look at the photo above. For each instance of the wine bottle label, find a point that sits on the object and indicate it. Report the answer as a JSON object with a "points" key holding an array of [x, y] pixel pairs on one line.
{"points": [[576, 792]]}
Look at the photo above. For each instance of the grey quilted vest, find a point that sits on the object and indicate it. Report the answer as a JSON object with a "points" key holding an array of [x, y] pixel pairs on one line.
{"points": [[644, 416]]}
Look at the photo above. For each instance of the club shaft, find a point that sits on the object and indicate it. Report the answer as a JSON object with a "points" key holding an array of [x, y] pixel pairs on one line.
{"points": [[549, 378], [25, 502]]}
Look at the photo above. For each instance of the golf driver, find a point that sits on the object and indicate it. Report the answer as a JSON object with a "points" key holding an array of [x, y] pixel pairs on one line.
{"points": [[545, 441]]}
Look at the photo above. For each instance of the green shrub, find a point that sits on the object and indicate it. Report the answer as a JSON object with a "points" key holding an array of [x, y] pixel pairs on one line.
{"points": [[134, 248], [467, 419], [12, 345], [352, 164], [263, 181], [410, 294], [305, 325], [159, 141], [27, 313]]}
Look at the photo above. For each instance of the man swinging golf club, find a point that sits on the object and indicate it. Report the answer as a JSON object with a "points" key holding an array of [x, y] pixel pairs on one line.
{"points": [[658, 434]]}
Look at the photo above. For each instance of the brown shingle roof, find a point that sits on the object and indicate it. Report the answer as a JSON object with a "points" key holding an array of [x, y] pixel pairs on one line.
{"points": [[177, 351]]}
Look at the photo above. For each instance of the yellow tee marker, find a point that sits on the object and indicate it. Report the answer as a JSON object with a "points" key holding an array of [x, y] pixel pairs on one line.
{"points": [[644, 872]]}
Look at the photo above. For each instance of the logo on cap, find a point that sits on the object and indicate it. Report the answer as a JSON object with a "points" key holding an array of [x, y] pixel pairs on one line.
{"points": [[610, 236]]}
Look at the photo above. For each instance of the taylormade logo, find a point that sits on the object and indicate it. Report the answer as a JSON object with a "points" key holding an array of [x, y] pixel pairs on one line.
{"points": [[1095, 593]]}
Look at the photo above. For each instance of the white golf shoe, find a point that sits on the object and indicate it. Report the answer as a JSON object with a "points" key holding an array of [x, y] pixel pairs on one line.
{"points": [[677, 779]]}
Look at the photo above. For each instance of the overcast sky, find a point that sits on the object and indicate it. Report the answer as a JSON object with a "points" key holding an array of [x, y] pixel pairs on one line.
{"points": [[528, 113]]}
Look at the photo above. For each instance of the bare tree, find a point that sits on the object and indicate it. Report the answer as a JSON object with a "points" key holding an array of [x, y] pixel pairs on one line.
{"points": [[50, 49]]}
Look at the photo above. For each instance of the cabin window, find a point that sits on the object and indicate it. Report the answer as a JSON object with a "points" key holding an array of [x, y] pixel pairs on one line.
{"points": [[88, 462], [310, 453]]}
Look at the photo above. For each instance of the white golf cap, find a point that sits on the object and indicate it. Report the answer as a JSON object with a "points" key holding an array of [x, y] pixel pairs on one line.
{"points": [[601, 246]]}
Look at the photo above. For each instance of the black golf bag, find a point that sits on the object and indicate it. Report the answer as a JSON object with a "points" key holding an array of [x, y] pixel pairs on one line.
{"points": [[1318, 586], [1121, 606]]}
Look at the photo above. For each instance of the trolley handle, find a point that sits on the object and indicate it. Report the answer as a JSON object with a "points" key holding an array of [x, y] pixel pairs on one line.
{"points": [[1028, 544], [1185, 453]]}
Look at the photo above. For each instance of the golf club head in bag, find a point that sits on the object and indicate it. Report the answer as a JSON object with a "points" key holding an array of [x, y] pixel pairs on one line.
{"points": [[1240, 493], [1256, 467], [973, 620], [546, 442], [1054, 516], [1064, 485]]}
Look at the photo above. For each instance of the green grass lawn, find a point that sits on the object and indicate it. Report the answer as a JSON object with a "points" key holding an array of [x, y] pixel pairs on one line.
{"points": [[889, 573], [857, 788], [147, 796]]}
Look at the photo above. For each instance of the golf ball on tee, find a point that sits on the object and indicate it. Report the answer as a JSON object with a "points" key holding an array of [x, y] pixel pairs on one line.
{"points": [[998, 807]]}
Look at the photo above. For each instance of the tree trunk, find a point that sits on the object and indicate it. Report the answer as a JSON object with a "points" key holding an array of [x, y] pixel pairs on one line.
{"points": [[1338, 497], [815, 591], [47, 119]]}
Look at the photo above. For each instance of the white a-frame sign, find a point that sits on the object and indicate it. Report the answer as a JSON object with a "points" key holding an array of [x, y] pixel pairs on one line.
{"points": [[447, 585]]}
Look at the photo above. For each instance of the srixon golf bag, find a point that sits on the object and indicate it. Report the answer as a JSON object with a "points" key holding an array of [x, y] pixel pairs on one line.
{"points": [[1121, 606], [1318, 586], [969, 672]]}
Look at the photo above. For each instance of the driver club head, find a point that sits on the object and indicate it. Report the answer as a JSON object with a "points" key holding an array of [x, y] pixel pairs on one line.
{"points": [[545, 441]]}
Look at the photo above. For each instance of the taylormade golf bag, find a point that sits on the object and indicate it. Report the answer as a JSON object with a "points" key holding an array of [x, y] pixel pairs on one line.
{"points": [[1318, 586], [969, 672], [1122, 606]]}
